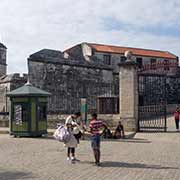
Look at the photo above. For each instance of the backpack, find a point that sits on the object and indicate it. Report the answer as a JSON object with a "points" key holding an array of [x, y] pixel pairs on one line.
{"points": [[62, 134]]}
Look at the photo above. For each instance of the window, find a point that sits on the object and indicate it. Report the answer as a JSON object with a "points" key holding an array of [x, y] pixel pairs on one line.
{"points": [[153, 63], [139, 62], [166, 65], [107, 59], [20, 113], [123, 58], [108, 105], [41, 112]]}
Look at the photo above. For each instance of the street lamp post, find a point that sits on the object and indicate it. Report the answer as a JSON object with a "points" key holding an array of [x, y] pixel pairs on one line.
{"points": [[84, 110]]}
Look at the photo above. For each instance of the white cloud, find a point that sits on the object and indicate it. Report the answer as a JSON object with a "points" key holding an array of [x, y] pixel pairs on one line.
{"points": [[145, 13], [28, 26]]}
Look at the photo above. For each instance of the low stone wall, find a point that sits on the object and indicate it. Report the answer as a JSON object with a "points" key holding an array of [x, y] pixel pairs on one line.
{"points": [[54, 119], [4, 120], [110, 119]]}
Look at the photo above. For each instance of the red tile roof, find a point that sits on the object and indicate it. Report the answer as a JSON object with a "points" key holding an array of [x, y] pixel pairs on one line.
{"points": [[135, 51]]}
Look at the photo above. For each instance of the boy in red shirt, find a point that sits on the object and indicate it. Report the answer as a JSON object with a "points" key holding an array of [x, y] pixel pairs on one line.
{"points": [[95, 126]]}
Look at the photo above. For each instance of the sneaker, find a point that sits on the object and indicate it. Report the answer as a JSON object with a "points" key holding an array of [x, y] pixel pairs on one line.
{"points": [[73, 160], [97, 163], [68, 158]]}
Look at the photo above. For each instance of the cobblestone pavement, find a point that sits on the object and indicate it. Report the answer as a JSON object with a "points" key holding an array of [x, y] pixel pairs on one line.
{"points": [[148, 156]]}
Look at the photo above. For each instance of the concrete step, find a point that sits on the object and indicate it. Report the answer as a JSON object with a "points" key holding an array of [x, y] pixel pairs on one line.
{"points": [[4, 130]]}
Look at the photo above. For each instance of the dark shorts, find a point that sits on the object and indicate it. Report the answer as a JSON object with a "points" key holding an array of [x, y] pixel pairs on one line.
{"points": [[78, 136], [95, 142]]}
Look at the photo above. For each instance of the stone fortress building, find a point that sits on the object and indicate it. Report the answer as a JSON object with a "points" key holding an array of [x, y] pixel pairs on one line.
{"points": [[149, 61], [3, 65], [86, 70], [70, 79], [91, 71]]}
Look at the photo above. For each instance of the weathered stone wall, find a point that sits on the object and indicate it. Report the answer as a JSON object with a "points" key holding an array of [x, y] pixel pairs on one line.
{"points": [[68, 81], [9, 83], [18, 81], [115, 59], [76, 52], [3, 66], [4, 120], [3, 99]]}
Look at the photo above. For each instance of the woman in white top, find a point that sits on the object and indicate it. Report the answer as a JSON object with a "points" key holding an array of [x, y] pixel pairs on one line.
{"points": [[74, 126]]}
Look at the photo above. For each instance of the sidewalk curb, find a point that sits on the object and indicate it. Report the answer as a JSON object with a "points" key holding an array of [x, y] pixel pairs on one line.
{"points": [[6, 131]]}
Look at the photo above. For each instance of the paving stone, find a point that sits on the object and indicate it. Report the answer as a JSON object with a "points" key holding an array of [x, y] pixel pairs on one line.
{"points": [[148, 156]]}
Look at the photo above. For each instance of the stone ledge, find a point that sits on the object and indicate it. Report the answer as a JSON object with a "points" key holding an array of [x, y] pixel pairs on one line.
{"points": [[87, 135], [4, 130], [4, 123]]}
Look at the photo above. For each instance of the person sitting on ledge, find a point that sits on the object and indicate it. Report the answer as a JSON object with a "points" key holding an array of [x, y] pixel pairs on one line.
{"points": [[106, 133], [119, 132]]}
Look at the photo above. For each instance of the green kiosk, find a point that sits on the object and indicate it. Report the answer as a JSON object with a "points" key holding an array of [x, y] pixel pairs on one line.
{"points": [[28, 116]]}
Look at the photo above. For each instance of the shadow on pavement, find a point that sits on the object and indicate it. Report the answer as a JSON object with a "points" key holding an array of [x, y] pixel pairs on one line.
{"points": [[126, 140], [133, 165], [132, 140], [173, 132], [9, 175], [159, 132]]}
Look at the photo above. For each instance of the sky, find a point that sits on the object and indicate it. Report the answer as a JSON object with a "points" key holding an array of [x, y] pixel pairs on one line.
{"points": [[27, 26]]}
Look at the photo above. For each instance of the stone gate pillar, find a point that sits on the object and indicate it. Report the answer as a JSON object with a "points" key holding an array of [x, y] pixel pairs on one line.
{"points": [[128, 93]]}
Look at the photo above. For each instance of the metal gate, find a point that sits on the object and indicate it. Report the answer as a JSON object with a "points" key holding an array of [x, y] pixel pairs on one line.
{"points": [[152, 102]]}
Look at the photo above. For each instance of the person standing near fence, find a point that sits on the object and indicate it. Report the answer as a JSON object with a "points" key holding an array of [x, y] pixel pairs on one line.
{"points": [[176, 117]]}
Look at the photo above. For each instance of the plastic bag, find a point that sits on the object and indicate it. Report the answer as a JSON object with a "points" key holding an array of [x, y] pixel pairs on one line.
{"points": [[62, 134]]}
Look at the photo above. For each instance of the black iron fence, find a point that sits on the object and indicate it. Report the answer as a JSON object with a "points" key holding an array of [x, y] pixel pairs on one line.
{"points": [[157, 89], [108, 105], [156, 93]]}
